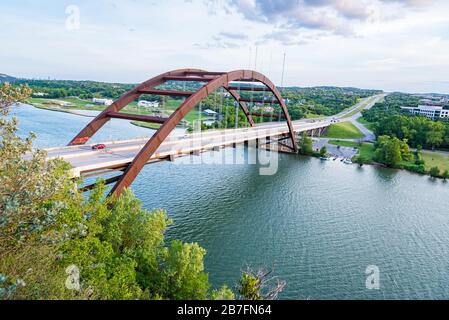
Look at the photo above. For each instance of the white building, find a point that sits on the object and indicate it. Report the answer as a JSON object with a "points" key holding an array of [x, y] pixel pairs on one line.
{"points": [[151, 104], [209, 112], [106, 102], [431, 112], [264, 108]]}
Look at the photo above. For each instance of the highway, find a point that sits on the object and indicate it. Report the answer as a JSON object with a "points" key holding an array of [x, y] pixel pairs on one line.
{"points": [[119, 154]]}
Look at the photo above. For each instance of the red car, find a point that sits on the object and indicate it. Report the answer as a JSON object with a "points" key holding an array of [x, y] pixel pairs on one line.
{"points": [[99, 147]]}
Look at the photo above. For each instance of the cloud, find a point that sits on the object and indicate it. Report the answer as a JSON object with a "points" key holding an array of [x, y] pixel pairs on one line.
{"points": [[225, 40], [338, 17], [232, 35]]}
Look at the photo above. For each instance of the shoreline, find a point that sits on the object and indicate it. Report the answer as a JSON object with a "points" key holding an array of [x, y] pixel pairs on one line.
{"points": [[381, 165], [77, 112], [137, 124], [56, 109]]}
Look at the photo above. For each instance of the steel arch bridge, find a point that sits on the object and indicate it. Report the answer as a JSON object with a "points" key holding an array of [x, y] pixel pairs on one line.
{"points": [[213, 81]]}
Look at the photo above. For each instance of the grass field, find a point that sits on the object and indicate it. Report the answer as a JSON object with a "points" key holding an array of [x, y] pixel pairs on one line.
{"points": [[132, 108], [366, 150], [343, 130], [355, 111], [367, 124], [433, 159], [154, 126]]}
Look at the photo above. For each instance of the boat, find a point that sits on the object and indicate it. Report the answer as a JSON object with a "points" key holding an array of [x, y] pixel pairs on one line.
{"points": [[347, 161], [325, 158]]}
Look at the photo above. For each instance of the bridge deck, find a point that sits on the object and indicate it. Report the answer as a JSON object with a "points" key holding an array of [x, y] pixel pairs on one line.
{"points": [[121, 153]]}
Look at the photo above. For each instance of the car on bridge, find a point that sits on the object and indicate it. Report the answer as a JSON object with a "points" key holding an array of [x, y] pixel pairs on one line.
{"points": [[100, 146]]}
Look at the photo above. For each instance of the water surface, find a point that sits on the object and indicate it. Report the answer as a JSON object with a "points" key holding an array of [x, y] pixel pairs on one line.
{"points": [[317, 224]]}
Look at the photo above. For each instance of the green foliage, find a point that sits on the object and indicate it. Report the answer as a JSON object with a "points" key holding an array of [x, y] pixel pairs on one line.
{"points": [[120, 251], [10, 95], [306, 145], [445, 175], [390, 120], [391, 106], [434, 172], [250, 287], [323, 151], [325, 101], [343, 130], [361, 159], [57, 244], [413, 167], [391, 151], [259, 286], [223, 294], [47, 229]]}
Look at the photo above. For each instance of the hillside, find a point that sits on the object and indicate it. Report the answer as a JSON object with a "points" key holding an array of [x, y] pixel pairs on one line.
{"points": [[6, 78]]}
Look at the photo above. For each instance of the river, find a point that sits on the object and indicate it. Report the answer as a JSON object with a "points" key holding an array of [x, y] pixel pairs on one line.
{"points": [[318, 225]]}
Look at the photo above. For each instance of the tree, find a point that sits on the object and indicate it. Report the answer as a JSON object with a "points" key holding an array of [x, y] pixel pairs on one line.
{"points": [[31, 190], [55, 243], [391, 151], [306, 145], [223, 294], [10, 95], [388, 151], [435, 134], [49, 232], [323, 151], [434, 172], [258, 285]]}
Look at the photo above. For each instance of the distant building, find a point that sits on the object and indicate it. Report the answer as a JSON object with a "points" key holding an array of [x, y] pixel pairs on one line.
{"points": [[149, 104], [105, 102], [431, 112], [267, 109], [39, 94], [209, 112]]}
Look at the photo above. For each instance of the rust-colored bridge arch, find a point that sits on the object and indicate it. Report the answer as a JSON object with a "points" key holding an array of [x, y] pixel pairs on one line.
{"points": [[213, 81]]}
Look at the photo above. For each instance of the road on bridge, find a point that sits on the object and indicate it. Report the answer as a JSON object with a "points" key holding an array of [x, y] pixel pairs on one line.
{"points": [[121, 153]]}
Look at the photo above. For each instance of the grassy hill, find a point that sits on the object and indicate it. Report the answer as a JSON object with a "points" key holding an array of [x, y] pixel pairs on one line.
{"points": [[343, 130]]}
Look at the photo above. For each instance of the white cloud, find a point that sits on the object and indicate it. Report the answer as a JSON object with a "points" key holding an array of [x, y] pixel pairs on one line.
{"points": [[392, 45]]}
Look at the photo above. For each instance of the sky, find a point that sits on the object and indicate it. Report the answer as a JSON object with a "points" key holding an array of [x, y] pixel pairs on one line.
{"points": [[394, 45]]}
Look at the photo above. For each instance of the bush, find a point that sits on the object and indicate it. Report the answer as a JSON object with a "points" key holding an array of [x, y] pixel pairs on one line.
{"points": [[421, 169], [57, 244], [420, 162], [362, 160], [434, 172], [445, 175], [306, 146], [323, 151]]}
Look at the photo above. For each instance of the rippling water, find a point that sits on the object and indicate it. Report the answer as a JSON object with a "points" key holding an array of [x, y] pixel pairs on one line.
{"points": [[317, 224]]}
